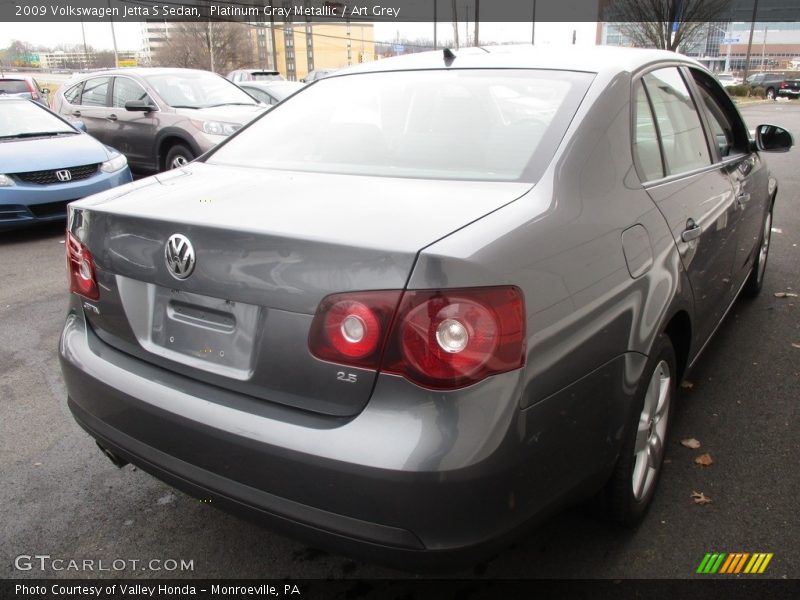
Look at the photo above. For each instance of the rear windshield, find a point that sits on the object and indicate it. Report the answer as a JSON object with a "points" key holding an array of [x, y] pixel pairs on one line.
{"points": [[498, 125], [13, 86]]}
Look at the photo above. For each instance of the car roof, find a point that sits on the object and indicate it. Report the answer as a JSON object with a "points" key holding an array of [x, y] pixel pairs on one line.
{"points": [[597, 59]]}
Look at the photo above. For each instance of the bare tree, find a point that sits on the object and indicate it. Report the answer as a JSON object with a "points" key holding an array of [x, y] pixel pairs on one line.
{"points": [[664, 24], [190, 45]]}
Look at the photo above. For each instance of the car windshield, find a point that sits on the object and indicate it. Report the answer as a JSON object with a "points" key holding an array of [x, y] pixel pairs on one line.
{"points": [[501, 125], [197, 89], [26, 119]]}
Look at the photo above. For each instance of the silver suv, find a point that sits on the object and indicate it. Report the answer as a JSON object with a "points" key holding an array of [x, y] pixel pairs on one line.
{"points": [[159, 118]]}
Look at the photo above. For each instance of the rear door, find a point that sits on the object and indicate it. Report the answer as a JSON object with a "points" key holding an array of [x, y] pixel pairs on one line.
{"points": [[693, 193], [132, 132], [728, 135], [94, 107]]}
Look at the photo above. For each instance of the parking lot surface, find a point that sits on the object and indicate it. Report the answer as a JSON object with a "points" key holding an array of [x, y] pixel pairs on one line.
{"points": [[62, 498]]}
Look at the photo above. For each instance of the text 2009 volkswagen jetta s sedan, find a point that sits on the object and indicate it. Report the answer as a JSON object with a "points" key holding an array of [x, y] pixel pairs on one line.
{"points": [[426, 300]]}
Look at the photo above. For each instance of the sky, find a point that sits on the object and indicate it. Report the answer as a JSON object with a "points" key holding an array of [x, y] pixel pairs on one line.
{"points": [[128, 35]]}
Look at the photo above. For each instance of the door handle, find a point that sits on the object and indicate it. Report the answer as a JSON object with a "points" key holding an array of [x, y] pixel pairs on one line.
{"points": [[76, 113], [692, 231], [742, 199], [111, 117]]}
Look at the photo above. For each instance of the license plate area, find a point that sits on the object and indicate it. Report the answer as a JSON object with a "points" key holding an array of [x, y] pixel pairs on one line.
{"points": [[212, 334]]}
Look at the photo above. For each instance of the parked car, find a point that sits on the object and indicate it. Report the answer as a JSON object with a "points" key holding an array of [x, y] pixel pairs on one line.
{"points": [[771, 82], [24, 87], [425, 302], [728, 80], [159, 118], [46, 162], [789, 88], [270, 92], [255, 75], [317, 74]]}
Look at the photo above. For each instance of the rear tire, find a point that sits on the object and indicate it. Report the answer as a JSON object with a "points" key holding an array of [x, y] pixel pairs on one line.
{"points": [[178, 156], [755, 281], [630, 490]]}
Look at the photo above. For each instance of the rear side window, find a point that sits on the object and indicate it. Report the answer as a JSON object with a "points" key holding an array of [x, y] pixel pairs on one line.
{"points": [[501, 125], [95, 92], [13, 86], [646, 151], [73, 94], [682, 139]]}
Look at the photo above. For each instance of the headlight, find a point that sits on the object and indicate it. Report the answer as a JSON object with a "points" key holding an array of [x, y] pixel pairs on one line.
{"points": [[216, 127], [115, 164], [6, 181]]}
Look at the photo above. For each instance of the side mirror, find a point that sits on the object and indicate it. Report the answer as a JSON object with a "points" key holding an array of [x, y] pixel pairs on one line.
{"points": [[138, 106], [771, 138], [79, 125]]}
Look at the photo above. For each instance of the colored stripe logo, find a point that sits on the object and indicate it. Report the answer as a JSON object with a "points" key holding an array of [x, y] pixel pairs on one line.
{"points": [[733, 563]]}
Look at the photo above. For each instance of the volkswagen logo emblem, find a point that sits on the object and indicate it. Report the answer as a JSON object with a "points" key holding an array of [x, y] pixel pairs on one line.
{"points": [[64, 175], [179, 254]]}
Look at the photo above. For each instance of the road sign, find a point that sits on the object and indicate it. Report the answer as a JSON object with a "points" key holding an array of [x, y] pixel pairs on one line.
{"points": [[730, 40], [398, 48]]}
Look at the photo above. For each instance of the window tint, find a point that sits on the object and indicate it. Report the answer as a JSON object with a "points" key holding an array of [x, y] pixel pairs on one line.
{"points": [[682, 138], [646, 151], [94, 92], [73, 94], [126, 90]]}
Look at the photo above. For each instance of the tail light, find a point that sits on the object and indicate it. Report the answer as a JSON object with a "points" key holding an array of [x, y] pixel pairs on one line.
{"points": [[784, 85], [80, 265], [351, 328], [439, 339]]}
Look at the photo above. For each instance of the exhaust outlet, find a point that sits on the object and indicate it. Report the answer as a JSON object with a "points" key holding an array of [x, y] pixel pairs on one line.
{"points": [[118, 462]]}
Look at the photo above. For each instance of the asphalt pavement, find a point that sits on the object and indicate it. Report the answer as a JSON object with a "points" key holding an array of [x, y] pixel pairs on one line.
{"points": [[60, 497]]}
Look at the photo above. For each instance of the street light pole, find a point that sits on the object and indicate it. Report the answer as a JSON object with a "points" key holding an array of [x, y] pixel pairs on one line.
{"points": [[113, 37]]}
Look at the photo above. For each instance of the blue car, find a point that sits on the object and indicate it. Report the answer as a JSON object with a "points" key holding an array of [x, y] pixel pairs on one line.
{"points": [[47, 162]]}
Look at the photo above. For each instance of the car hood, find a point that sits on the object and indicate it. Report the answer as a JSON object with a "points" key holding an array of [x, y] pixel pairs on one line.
{"points": [[41, 154], [228, 114]]}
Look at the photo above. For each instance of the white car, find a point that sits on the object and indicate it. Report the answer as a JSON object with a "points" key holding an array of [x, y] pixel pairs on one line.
{"points": [[728, 80]]}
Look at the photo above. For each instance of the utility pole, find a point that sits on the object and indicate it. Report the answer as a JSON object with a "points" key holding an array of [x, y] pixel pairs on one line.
{"points": [[477, 20], [750, 42], [455, 24], [113, 37], [533, 24], [435, 23], [211, 45]]}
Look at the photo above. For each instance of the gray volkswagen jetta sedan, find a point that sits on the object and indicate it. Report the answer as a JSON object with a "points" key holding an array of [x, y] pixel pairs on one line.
{"points": [[426, 300]]}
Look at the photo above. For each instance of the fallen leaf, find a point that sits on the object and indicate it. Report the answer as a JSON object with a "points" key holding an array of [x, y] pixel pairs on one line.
{"points": [[690, 443], [700, 498], [785, 295], [37, 464], [687, 385], [704, 459]]}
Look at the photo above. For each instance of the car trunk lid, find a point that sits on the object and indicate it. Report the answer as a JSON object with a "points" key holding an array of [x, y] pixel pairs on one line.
{"points": [[269, 245]]}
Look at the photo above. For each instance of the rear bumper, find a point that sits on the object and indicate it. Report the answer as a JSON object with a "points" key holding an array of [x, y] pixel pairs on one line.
{"points": [[28, 203], [450, 477]]}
